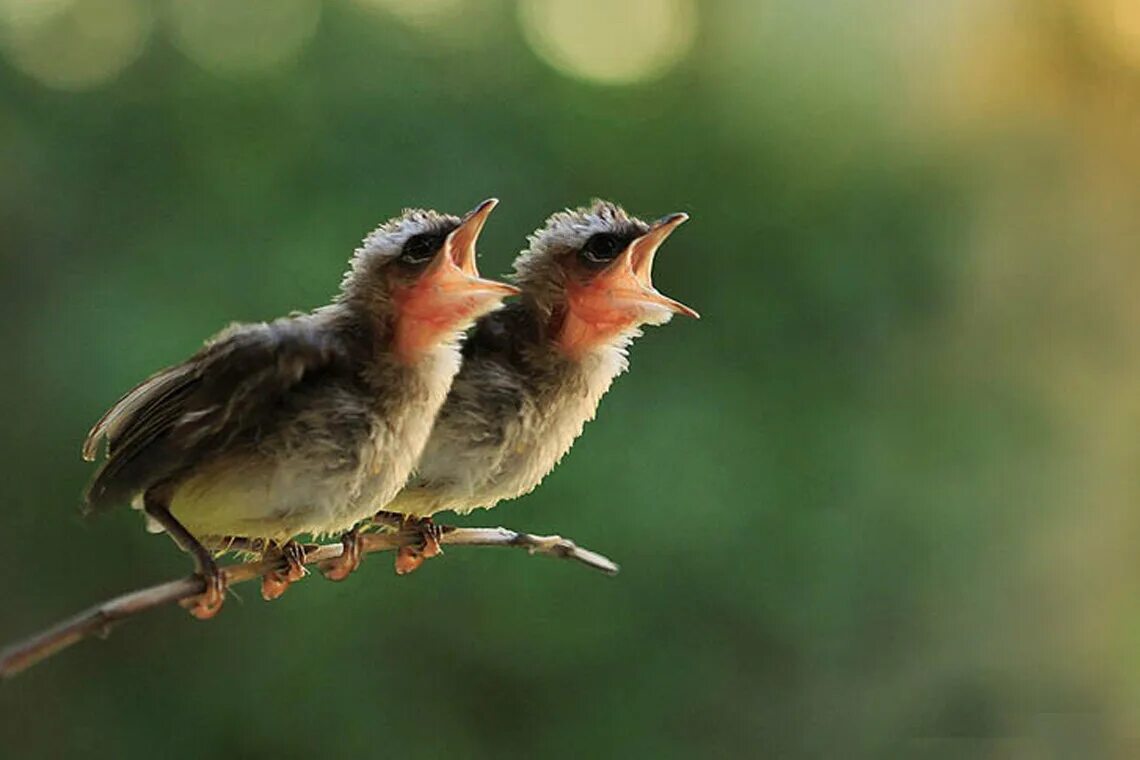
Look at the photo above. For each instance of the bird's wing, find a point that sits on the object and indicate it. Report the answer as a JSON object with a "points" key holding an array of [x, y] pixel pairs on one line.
{"points": [[172, 418]]}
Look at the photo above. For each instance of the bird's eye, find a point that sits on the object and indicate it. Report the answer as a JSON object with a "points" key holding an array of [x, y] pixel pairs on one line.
{"points": [[420, 249], [602, 248]]}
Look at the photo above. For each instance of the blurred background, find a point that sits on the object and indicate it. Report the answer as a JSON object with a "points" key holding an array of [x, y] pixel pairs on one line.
{"points": [[880, 502]]}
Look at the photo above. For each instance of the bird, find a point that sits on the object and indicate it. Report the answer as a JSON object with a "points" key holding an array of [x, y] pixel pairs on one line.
{"points": [[535, 371], [301, 424]]}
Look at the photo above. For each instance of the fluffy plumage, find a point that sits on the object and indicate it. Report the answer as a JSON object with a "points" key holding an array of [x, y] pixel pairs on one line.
{"points": [[298, 425], [519, 400]]}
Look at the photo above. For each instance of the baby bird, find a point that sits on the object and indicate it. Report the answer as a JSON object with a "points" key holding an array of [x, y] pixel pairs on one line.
{"points": [[534, 372], [305, 423]]}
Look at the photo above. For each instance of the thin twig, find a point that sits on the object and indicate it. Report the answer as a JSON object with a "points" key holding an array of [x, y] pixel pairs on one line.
{"points": [[98, 620]]}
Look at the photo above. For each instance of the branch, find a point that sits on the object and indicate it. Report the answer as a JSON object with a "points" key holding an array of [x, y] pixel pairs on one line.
{"points": [[98, 620]]}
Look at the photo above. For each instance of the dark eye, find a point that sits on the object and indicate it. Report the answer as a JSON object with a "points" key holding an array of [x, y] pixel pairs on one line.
{"points": [[419, 249], [602, 248]]}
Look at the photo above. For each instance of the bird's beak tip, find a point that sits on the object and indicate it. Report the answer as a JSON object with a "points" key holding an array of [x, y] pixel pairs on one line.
{"points": [[483, 208], [674, 305], [504, 289]]}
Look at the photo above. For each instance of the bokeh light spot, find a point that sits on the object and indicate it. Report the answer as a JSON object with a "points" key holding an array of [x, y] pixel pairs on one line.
{"points": [[420, 13], [610, 41], [1117, 22], [73, 44], [24, 13], [451, 25], [246, 37]]}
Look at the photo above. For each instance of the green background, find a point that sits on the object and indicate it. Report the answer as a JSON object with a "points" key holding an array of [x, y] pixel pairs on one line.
{"points": [[880, 501]]}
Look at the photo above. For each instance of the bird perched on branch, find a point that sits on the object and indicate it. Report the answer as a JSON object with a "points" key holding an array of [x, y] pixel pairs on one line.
{"points": [[534, 372], [305, 423]]}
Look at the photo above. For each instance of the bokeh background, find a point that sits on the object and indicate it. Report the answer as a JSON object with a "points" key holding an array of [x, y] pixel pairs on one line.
{"points": [[882, 501]]}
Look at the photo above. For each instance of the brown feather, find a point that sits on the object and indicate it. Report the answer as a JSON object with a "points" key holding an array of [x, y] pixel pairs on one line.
{"points": [[228, 390]]}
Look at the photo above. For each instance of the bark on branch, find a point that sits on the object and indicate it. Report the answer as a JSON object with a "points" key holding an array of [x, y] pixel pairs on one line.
{"points": [[99, 620]]}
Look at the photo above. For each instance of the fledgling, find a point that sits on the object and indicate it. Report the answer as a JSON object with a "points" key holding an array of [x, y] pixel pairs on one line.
{"points": [[305, 423], [534, 372]]}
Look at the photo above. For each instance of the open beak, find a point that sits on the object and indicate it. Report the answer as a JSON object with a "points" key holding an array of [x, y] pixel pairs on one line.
{"points": [[449, 294], [453, 277], [642, 252], [630, 276]]}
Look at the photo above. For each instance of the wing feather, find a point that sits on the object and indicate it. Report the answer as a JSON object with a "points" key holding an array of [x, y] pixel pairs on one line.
{"points": [[227, 390], [149, 392]]}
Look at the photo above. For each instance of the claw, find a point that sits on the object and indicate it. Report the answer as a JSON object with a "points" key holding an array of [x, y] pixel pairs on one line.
{"points": [[431, 541], [409, 558], [273, 585], [386, 519], [341, 567], [209, 602], [277, 582]]}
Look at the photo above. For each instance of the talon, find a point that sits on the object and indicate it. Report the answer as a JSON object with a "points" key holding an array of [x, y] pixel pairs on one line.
{"points": [[209, 602], [294, 573], [388, 519], [341, 567], [273, 585], [408, 558], [431, 543], [277, 582]]}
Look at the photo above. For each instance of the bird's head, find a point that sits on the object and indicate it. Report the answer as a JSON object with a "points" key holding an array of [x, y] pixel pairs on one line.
{"points": [[416, 275], [589, 273]]}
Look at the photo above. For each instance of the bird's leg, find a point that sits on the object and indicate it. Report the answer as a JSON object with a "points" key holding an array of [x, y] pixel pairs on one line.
{"points": [[277, 582], [220, 545], [410, 557], [208, 603], [432, 534], [341, 567], [386, 519]]}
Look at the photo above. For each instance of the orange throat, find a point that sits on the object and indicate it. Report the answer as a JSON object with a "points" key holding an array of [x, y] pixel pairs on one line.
{"points": [[425, 321], [582, 333], [417, 336]]}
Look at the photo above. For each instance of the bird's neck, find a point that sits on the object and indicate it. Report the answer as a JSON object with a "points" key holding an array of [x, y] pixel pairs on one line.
{"points": [[582, 340], [416, 341], [580, 358], [424, 373], [524, 338]]}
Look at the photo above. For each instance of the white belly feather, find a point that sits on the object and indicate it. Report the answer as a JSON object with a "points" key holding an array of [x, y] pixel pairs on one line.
{"points": [[455, 474], [305, 480]]}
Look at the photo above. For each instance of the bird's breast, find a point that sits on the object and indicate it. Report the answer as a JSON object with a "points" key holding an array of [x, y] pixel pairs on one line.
{"points": [[335, 454], [477, 457]]}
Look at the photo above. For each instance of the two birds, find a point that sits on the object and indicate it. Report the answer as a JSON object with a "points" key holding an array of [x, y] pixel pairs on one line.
{"points": [[374, 409]]}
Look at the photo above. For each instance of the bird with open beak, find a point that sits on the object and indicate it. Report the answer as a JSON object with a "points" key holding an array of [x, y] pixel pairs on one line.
{"points": [[534, 372], [303, 424]]}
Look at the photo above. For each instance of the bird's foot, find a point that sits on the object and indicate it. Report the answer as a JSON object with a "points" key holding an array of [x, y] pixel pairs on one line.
{"points": [[386, 519], [209, 602], [277, 582], [410, 557], [339, 568]]}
